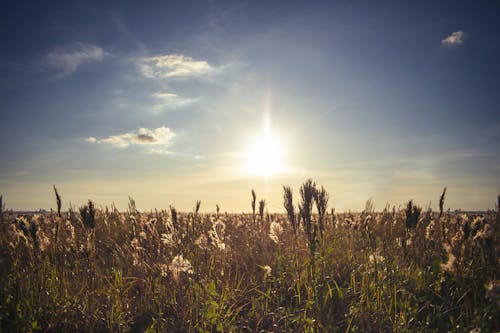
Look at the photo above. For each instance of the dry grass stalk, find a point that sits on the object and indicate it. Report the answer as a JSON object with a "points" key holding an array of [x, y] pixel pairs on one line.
{"points": [[254, 199], [307, 191], [58, 201], [441, 202], [288, 204], [87, 212], [321, 198], [262, 205]]}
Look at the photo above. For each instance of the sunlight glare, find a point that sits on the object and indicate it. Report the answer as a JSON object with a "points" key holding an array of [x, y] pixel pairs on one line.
{"points": [[265, 157]]}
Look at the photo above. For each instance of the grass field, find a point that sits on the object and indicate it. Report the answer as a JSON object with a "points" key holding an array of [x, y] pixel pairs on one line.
{"points": [[309, 269]]}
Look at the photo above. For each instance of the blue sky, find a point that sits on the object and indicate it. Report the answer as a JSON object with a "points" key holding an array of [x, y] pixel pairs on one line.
{"points": [[168, 102]]}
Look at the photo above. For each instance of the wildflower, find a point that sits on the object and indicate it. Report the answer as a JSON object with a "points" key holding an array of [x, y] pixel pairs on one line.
{"points": [[485, 234], [44, 241], [219, 227], [202, 242], [38, 218], [180, 265], [457, 240], [217, 234], [24, 224], [431, 230], [451, 264], [477, 223], [143, 235], [136, 245], [239, 223], [71, 229], [372, 258], [275, 230], [164, 270], [274, 238], [169, 226], [12, 231], [267, 269], [135, 259], [29, 228], [15, 235], [167, 239]]}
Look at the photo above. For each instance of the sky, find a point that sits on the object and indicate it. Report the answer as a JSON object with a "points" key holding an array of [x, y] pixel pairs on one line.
{"points": [[172, 102]]}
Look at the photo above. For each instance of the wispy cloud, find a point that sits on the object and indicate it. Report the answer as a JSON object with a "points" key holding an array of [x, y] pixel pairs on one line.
{"points": [[172, 101], [143, 136], [68, 59], [455, 38], [166, 152], [173, 65], [161, 151]]}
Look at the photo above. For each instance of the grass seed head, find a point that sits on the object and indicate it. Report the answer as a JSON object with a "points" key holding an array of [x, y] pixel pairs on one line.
{"points": [[288, 204], [412, 215], [87, 212], [58, 201], [441, 202], [262, 205], [254, 199]]}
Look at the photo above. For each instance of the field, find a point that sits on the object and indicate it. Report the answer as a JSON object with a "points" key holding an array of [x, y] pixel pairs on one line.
{"points": [[310, 269]]}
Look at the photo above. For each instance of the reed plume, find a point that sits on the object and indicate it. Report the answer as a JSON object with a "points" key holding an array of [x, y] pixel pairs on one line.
{"points": [[254, 198], [441, 202], [288, 204], [87, 212], [321, 198]]}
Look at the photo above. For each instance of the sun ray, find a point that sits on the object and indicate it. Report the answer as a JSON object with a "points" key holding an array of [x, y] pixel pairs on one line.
{"points": [[265, 157]]}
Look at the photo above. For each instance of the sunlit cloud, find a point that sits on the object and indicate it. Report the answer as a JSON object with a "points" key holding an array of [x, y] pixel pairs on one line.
{"points": [[68, 59], [172, 101], [455, 38], [173, 65], [143, 136]]}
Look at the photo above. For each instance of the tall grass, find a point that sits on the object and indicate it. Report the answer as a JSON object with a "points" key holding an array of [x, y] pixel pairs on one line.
{"points": [[168, 271]]}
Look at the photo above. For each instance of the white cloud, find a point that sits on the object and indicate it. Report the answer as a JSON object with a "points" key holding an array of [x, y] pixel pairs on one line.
{"points": [[454, 39], [172, 101], [91, 139], [173, 65], [68, 59], [143, 136]]}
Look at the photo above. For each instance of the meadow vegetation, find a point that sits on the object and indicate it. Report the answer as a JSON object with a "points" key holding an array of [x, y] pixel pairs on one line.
{"points": [[310, 269]]}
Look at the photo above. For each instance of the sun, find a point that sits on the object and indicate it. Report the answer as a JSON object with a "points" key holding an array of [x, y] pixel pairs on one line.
{"points": [[265, 157]]}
